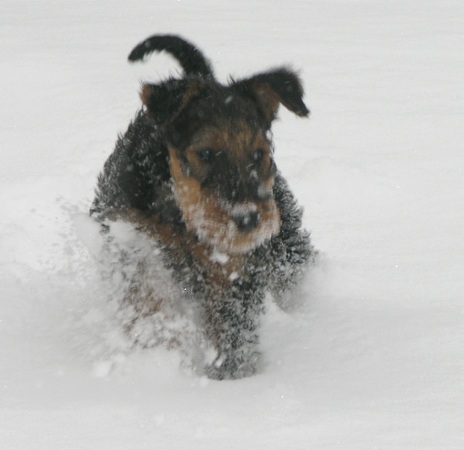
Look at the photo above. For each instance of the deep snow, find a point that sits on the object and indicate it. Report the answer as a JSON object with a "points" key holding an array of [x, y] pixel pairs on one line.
{"points": [[371, 354]]}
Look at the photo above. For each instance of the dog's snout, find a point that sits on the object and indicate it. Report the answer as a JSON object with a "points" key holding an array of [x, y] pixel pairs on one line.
{"points": [[247, 222]]}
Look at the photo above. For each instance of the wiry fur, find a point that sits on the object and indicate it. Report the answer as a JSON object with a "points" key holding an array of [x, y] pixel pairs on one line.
{"points": [[161, 175]]}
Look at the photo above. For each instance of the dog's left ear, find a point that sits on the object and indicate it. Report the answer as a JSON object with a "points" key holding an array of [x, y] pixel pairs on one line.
{"points": [[165, 101], [272, 88]]}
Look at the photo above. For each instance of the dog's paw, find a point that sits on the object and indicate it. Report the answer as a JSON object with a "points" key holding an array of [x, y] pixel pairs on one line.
{"points": [[232, 367]]}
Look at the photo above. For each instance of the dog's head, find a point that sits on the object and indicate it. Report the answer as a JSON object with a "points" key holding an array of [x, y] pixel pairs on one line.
{"points": [[221, 155]]}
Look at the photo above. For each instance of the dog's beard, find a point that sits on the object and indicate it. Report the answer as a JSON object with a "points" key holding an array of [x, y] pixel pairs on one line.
{"points": [[213, 223], [226, 237]]}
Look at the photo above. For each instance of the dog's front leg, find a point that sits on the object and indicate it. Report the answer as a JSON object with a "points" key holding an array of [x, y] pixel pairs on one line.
{"points": [[233, 317]]}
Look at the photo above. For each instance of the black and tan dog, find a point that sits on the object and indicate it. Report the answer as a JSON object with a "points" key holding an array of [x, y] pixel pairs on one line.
{"points": [[195, 173]]}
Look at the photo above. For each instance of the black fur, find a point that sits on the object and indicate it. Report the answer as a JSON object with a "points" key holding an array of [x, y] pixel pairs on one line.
{"points": [[285, 83], [190, 58], [137, 176]]}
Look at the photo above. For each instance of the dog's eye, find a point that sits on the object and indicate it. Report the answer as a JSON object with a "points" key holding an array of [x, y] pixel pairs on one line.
{"points": [[206, 154], [258, 155]]}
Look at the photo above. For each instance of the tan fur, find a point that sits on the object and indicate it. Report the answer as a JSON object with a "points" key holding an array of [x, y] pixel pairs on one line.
{"points": [[269, 100], [210, 221], [220, 269]]}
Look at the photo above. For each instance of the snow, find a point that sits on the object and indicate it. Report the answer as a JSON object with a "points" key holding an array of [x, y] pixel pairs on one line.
{"points": [[370, 353]]}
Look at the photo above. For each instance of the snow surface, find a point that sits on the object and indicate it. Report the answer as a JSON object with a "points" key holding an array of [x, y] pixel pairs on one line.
{"points": [[370, 356]]}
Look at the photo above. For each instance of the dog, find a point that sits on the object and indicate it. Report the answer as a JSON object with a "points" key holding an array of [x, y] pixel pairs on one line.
{"points": [[195, 174]]}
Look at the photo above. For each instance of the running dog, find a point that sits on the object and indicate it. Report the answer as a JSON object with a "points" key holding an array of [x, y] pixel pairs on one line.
{"points": [[195, 174]]}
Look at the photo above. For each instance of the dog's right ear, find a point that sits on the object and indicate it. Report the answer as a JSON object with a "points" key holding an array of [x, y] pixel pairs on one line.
{"points": [[166, 101]]}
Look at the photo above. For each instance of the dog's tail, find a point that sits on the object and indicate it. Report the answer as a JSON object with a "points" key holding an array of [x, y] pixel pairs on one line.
{"points": [[190, 58]]}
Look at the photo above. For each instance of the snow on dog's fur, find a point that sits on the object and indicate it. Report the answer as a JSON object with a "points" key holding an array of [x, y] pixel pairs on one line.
{"points": [[195, 175]]}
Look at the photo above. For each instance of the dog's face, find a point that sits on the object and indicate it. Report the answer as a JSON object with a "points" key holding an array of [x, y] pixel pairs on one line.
{"points": [[221, 157], [223, 171]]}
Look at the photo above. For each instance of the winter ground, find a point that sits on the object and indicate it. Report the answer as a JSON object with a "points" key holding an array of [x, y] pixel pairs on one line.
{"points": [[371, 355]]}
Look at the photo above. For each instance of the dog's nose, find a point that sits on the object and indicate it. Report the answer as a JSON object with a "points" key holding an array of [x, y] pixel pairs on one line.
{"points": [[247, 222]]}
